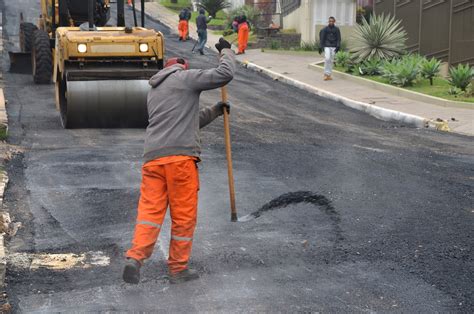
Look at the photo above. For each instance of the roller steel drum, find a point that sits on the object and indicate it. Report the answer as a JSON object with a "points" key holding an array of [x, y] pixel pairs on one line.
{"points": [[105, 104]]}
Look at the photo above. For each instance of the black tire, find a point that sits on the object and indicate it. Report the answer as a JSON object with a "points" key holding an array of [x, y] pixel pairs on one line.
{"points": [[42, 58], [26, 36], [61, 100]]}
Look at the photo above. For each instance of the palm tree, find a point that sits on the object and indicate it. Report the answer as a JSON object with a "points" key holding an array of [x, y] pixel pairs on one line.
{"points": [[214, 6], [382, 38]]}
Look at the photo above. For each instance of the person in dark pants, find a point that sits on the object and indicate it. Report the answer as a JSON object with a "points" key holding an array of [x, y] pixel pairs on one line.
{"points": [[201, 23], [330, 43]]}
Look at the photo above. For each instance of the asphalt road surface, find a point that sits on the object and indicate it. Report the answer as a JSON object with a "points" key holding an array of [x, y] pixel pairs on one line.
{"points": [[354, 214]]}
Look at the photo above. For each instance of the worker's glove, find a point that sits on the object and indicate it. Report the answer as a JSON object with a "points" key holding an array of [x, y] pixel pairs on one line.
{"points": [[320, 50], [223, 44], [221, 106], [337, 49]]}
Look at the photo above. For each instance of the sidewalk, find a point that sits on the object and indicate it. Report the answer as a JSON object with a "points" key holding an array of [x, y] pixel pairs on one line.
{"points": [[295, 66]]}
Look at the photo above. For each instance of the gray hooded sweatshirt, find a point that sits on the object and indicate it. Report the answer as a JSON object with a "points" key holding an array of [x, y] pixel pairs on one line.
{"points": [[173, 107]]}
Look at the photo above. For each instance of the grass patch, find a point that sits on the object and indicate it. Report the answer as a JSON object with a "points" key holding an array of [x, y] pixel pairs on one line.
{"points": [[439, 89], [177, 7], [288, 31], [3, 133], [219, 20], [296, 51]]}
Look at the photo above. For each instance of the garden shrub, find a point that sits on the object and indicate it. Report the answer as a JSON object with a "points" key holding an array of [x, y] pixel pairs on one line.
{"points": [[402, 72], [461, 76], [309, 46], [430, 69], [275, 45], [342, 58], [370, 67], [251, 12]]}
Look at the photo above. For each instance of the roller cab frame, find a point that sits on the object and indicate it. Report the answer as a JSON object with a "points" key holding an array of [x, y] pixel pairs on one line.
{"points": [[100, 72], [34, 35]]}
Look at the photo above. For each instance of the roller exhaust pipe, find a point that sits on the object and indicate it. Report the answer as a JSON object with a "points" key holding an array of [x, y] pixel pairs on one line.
{"points": [[121, 13], [90, 13]]}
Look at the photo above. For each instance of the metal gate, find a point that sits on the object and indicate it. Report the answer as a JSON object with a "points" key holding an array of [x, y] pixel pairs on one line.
{"points": [[436, 28]]}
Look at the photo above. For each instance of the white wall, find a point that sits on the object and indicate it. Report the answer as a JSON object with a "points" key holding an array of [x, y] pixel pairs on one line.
{"points": [[343, 10], [300, 20], [316, 12], [236, 3]]}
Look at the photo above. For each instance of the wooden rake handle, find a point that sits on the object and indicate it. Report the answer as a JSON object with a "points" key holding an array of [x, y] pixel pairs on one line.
{"points": [[228, 151]]}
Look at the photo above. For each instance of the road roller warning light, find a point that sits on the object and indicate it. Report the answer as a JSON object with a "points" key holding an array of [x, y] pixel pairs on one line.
{"points": [[100, 72], [82, 48], [143, 47]]}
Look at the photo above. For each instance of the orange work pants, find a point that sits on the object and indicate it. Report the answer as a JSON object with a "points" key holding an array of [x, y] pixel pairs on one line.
{"points": [[243, 37], [183, 29], [175, 184]]}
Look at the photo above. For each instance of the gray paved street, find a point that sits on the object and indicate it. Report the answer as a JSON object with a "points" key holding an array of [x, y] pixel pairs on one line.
{"points": [[387, 224]]}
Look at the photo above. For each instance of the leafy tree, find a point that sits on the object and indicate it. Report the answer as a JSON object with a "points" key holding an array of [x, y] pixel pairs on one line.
{"points": [[251, 12]]}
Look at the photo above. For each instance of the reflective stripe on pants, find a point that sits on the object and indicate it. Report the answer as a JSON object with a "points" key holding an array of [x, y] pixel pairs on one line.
{"points": [[175, 184]]}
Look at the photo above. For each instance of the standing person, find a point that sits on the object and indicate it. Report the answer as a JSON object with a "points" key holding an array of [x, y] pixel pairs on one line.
{"points": [[330, 42], [243, 34], [201, 23], [183, 26], [172, 151], [235, 24]]}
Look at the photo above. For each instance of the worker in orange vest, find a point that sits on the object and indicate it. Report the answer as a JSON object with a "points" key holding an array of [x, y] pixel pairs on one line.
{"points": [[243, 34], [172, 151], [183, 26]]}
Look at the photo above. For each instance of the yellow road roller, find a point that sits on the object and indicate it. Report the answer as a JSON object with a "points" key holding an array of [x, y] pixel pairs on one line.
{"points": [[100, 73]]}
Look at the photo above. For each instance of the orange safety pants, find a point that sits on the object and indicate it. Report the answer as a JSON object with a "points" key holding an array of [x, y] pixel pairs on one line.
{"points": [[183, 29], [243, 37], [175, 184]]}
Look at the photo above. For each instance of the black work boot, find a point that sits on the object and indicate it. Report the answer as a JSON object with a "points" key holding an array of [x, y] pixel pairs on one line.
{"points": [[201, 52], [183, 276], [131, 271]]}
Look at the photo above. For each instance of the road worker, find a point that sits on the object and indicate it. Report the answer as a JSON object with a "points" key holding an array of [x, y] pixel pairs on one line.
{"points": [[172, 151], [201, 24], [183, 26], [243, 34]]}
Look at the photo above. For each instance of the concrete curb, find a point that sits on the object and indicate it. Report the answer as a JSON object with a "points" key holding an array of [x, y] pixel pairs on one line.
{"points": [[394, 90], [4, 217], [375, 111]]}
